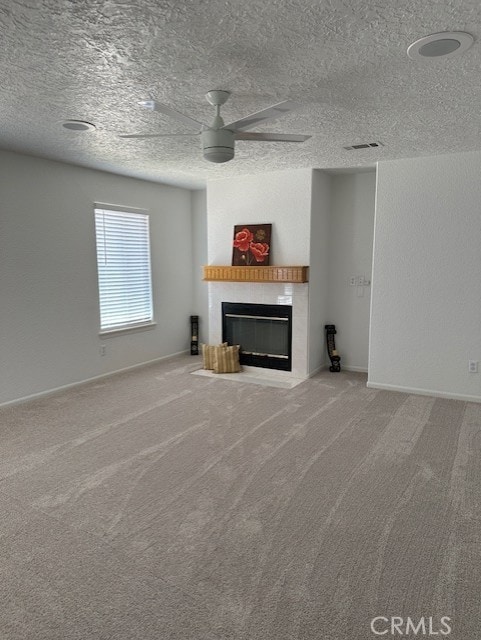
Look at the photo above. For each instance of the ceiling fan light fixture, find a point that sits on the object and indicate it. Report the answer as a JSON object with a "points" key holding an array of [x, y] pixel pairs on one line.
{"points": [[217, 145], [447, 44], [218, 154]]}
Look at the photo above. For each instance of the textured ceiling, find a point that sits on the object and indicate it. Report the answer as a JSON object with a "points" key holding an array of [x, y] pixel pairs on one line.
{"points": [[344, 60]]}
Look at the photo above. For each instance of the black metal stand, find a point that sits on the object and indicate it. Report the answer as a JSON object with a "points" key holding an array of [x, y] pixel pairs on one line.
{"points": [[194, 335], [331, 348]]}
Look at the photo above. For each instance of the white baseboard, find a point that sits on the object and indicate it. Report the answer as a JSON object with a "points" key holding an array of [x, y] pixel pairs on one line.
{"points": [[49, 392], [325, 367], [424, 392]]}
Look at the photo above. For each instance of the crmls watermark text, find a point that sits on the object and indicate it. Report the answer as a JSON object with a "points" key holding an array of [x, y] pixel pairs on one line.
{"points": [[397, 626]]}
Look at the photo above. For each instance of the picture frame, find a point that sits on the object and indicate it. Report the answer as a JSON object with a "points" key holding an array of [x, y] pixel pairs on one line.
{"points": [[251, 245]]}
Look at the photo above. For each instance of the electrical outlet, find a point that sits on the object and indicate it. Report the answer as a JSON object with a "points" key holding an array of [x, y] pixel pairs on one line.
{"points": [[103, 350], [473, 366], [352, 281]]}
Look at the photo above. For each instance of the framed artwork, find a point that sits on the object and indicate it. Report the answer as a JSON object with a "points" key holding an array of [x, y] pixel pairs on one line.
{"points": [[251, 245]]}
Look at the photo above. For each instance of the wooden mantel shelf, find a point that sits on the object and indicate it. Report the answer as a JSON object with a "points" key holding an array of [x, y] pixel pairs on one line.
{"points": [[215, 273]]}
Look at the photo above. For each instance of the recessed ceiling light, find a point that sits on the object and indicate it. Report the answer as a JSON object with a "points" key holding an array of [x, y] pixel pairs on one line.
{"points": [[440, 45], [78, 125]]}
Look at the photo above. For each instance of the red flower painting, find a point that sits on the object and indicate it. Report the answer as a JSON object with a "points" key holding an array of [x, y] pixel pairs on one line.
{"points": [[251, 245]]}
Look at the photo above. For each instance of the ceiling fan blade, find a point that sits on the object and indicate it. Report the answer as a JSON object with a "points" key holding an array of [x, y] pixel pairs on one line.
{"points": [[270, 113], [270, 137], [152, 105], [157, 135]]}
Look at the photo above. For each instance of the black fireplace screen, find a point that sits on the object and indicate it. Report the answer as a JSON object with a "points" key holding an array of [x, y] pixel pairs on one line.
{"points": [[263, 332]]}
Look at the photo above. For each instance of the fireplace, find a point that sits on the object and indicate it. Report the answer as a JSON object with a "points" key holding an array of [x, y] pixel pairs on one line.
{"points": [[264, 333]]}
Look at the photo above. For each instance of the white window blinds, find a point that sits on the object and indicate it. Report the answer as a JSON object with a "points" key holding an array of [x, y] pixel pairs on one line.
{"points": [[124, 273]]}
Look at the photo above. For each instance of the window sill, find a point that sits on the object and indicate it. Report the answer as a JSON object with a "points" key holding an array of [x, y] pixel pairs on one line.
{"points": [[111, 333]]}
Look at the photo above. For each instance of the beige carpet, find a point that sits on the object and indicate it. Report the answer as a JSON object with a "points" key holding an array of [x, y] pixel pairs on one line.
{"points": [[159, 505]]}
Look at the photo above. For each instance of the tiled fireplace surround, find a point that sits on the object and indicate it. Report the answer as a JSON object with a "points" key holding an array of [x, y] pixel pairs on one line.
{"points": [[295, 295]]}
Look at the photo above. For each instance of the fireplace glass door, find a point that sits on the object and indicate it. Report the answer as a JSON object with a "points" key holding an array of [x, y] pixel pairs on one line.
{"points": [[263, 332]]}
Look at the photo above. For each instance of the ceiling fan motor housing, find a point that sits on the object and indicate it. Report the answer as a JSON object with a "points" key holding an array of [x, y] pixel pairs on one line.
{"points": [[218, 145]]}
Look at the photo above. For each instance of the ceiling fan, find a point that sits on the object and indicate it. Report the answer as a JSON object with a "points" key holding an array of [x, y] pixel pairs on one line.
{"points": [[218, 139]]}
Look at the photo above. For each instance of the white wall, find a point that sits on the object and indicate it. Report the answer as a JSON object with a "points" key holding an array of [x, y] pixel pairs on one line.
{"points": [[199, 254], [319, 266], [280, 197], [49, 318], [426, 312], [350, 254]]}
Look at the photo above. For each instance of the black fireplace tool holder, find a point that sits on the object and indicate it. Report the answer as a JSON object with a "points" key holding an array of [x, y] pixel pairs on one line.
{"points": [[331, 348]]}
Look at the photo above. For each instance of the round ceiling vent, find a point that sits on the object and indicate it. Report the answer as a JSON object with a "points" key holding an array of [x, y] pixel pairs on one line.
{"points": [[440, 45], [78, 125]]}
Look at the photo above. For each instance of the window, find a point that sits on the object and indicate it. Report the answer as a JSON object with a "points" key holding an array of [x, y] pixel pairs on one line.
{"points": [[123, 262]]}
